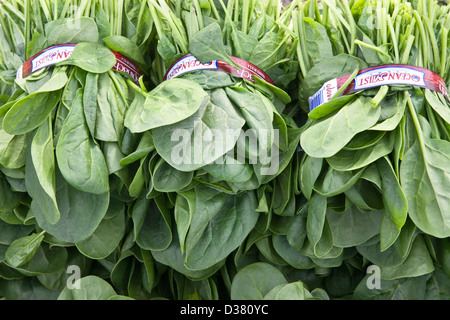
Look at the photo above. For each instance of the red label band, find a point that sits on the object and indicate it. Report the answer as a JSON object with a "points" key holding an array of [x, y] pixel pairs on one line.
{"points": [[123, 64], [59, 53], [394, 74], [189, 63]]}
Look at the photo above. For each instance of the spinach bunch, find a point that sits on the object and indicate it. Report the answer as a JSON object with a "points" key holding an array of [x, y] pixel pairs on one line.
{"points": [[63, 194], [95, 188], [153, 189], [375, 168], [201, 188]]}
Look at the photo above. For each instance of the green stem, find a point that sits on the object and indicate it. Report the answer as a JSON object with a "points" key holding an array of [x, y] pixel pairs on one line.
{"points": [[178, 7], [287, 14], [141, 15], [156, 21], [245, 14], [120, 13], [433, 122], [177, 26], [41, 233], [352, 25], [317, 11], [337, 14], [93, 5], [381, 22], [230, 6], [325, 14], [236, 11], [173, 22], [214, 11], [431, 10], [80, 10], [66, 6], [381, 94], [346, 83], [113, 77], [14, 10], [277, 9], [398, 24], [6, 30], [434, 45], [393, 37], [281, 25], [302, 36], [300, 56], [416, 122], [407, 50], [395, 13], [198, 13], [55, 9], [444, 39], [27, 26], [342, 32], [422, 36], [359, 42], [227, 15]]}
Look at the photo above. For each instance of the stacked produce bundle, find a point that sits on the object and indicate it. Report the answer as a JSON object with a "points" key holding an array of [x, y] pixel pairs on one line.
{"points": [[243, 149], [218, 149], [64, 194], [377, 143]]}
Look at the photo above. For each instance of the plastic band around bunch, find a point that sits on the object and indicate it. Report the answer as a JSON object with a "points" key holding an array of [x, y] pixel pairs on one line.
{"points": [[59, 53], [189, 63], [395, 74]]}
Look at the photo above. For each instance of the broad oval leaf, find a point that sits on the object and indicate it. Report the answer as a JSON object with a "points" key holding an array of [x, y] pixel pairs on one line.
{"points": [[174, 258], [81, 212], [255, 281], [45, 261], [347, 160], [424, 176], [13, 149], [170, 102], [353, 227], [155, 232], [219, 224], [202, 138], [108, 234], [394, 199], [91, 57], [168, 179], [63, 31], [291, 291], [80, 159], [90, 288], [23, 249], [30, 112], [126, 47], [43, 162], [327, 136]]}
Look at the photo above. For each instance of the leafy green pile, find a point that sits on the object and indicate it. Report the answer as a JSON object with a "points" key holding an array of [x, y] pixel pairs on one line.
{"points": [[196, 212], [63, 193], [211, 186], [376, 163]]}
